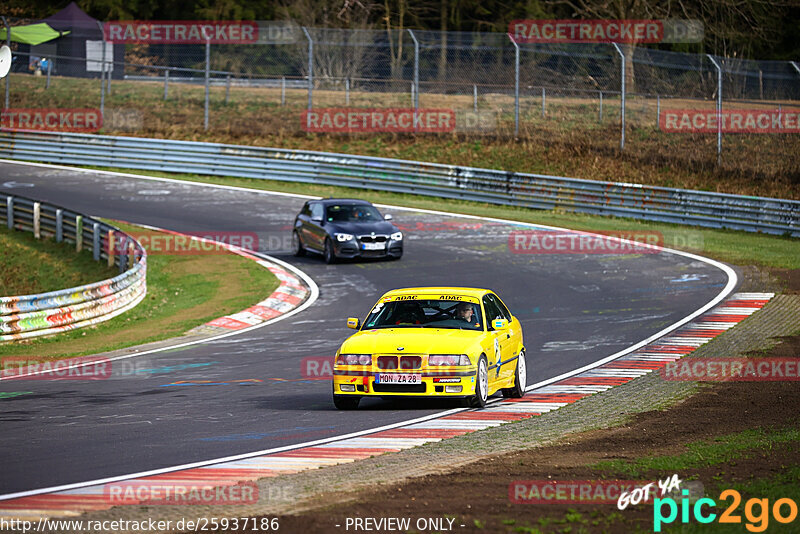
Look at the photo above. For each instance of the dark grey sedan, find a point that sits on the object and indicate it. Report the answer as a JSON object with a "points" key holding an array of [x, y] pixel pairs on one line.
{"points": [[345, 228]]}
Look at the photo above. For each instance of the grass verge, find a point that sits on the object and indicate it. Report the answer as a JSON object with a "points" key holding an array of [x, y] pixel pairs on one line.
{"points": [[29, 265], [737, 247], [182, 292]]}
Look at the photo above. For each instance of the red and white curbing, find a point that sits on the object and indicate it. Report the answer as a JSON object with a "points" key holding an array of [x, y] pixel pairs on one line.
{"points": [[536, 402], [289, 295]]}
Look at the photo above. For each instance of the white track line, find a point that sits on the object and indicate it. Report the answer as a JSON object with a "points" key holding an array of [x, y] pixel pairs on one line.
{"points": [[732, 281]]}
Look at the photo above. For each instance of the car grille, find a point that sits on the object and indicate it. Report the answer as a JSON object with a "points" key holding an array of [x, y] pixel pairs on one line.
{"points": [[406, 362], [398, 388], [373, 238]]}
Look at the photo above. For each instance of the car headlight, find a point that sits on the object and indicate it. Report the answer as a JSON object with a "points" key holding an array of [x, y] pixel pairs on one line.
{"points": [[449, 359], [343, 237], [397, 236], [354, 359]]}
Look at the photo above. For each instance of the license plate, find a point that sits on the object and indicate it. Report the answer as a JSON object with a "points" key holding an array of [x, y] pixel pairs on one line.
{"points": [[373, 246], [393, 378]]}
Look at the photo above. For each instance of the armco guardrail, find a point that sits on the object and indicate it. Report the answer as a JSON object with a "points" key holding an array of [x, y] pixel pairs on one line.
{"points": [[717, 210], [57, 311]]}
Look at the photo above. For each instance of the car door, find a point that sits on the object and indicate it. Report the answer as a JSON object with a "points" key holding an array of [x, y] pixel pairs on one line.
{"points": [[513, 338], [497, 368], [314, 232]]}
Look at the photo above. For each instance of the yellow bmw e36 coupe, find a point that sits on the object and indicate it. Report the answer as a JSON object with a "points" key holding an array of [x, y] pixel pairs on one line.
{"points": [[451, 342]]}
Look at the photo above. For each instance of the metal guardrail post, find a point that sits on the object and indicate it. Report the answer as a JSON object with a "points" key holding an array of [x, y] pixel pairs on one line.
{"points": [[208, 81], [10, 212], [96, 241], [78, 233], [516, 85], [37, 220], [59, 225], [310, 68], [416, 69], [621, 98], [166, 83], [719, 107], [112, 243], [8, 44]]}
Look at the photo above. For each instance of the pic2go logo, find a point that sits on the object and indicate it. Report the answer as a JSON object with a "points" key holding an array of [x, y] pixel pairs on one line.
{"points": [[758, 521]]}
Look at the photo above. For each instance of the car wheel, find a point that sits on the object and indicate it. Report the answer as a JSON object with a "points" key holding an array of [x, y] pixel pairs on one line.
{"points": [[329, 254], [297, 246], [345, 402], [481, 384], [520, 379]]}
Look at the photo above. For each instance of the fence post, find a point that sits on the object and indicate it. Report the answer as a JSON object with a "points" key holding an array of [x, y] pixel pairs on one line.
{"points": [[600, 111], [166, 83], [658, 109], [544, 102], [347, 91], [8, 44], [37, 220], [208, 81], [59, 225], [310, 68], [621, 98], [78, 233], [227, 88], [416, 69], [516, 85], [283, 90], [413, 94], [10, 212], [49, 70], [96, 241], [719, 107], [111, 247], [475, 98]]}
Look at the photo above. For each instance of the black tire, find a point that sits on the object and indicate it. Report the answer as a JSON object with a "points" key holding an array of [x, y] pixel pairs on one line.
{"points": [[346, 402], [297, 245], [520, 379], [481, 384], [329, 254]]}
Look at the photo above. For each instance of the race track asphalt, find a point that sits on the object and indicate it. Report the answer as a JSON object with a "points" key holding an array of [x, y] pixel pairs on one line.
{"points": [[575, 309]]}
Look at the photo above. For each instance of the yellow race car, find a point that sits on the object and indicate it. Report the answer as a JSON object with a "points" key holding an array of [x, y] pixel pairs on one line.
{"points": [[450, 342]]}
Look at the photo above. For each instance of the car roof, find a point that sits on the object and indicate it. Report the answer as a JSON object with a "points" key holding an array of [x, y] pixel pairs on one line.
{"points": [[329, 201], [464, 291]]}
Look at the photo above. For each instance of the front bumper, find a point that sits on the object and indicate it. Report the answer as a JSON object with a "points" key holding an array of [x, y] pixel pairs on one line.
{"points": [[354, 249], [434, 383]]}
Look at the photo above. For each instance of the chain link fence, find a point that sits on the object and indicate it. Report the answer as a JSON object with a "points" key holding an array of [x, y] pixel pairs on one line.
{"points": [[600, 95]]}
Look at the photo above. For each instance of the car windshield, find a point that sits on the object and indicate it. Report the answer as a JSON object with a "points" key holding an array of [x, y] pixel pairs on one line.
{"points": [[352, 213], [427, 313]]}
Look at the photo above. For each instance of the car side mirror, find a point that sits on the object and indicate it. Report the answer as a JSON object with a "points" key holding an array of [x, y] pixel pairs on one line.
{"points": [[353, 322], [499, 324], [388, 217], [316, 219]]}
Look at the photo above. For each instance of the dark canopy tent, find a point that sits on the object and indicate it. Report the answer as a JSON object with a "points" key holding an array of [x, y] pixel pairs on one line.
{"points": [[83, 29]]}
